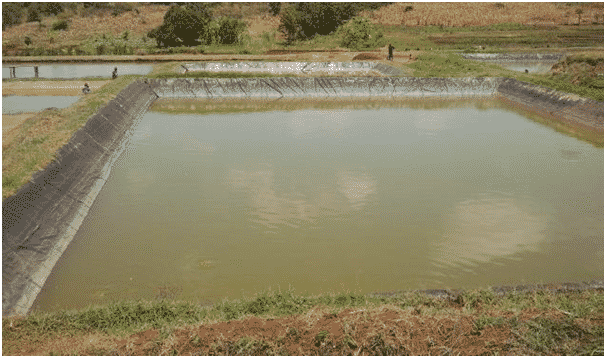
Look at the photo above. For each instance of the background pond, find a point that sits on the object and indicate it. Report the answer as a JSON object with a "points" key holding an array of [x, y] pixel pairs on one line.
{"points": [[78, 71], [21, 104]]}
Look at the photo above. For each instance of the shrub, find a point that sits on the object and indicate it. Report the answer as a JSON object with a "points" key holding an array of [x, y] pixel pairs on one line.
{"points": [[28, 41], [59, 25], [229, 30], [290, 24], [33, 13], [121, 7], [183, 25], [359, 33], [274, 8], [52, 8], [12, 14], [305, 20]]}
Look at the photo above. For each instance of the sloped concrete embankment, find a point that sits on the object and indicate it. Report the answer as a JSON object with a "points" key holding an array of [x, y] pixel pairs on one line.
{"points": [[292, 67], [548, 103], [513, 57], [316, 87], [40, 220]]}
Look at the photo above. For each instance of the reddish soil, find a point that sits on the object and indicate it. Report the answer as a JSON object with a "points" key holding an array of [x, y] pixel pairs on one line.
{"points": [[385, 330]]}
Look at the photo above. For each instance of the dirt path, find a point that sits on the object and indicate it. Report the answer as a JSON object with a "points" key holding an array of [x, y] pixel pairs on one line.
{"points": [[47, 88]]}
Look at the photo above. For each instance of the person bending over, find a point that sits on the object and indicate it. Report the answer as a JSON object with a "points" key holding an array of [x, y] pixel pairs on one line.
{"points": [[86, 89]]}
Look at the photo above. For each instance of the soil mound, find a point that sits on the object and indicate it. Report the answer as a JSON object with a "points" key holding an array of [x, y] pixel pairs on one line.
{"points": [[366, 56]]}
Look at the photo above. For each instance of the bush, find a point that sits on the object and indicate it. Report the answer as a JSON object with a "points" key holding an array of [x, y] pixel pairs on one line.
{"points": [[59, 25], [12, 14], [226, 31], [52, 8], [121, 7], [303, 20], [183, 25], [274, 8], [33, 13], [28, 41], [359, 33]]}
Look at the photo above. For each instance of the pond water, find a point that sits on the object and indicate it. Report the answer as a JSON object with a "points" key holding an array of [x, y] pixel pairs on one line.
{"points": [[223, 205], [21, 104], [531, 66], [78, 71]]}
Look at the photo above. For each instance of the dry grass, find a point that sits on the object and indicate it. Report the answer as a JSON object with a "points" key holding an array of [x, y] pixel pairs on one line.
{"points": [[82, 28], [481, 14]]}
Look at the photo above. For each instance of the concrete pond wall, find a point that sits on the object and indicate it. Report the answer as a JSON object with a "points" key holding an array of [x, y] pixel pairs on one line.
{"points": [[40, 220], [291, 67], [521, 62]]}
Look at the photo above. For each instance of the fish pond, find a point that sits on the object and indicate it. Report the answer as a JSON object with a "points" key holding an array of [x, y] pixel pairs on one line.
{"points": [[206, 204], [77, 71], [22, 104]]}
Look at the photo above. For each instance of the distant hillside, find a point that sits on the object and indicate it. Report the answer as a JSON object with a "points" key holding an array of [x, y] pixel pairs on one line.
{"points": [[130, 22]]}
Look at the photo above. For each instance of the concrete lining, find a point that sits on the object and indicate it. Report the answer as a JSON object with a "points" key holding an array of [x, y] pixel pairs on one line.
{"points": [[279, 68], [513, 57], [41, 219]]}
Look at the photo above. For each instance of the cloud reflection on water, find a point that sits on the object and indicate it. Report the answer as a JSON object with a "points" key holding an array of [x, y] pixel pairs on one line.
{"points": [[491, 226]]}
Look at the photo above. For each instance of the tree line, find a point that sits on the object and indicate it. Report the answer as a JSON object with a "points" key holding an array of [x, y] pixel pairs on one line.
{"points": [[192, 24]]}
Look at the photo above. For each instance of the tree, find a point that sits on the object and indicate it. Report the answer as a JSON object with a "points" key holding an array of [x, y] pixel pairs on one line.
{"points": [[274, 8], [305, 20], [12, 14], [183, 25]]}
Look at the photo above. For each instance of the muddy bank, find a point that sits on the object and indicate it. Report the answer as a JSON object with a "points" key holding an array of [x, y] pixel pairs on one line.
{"points": [[40, 220], [503, 290]]}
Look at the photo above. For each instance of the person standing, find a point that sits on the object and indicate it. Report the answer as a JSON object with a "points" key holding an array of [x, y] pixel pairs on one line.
{"points": [[391, 48], [115, 73]]}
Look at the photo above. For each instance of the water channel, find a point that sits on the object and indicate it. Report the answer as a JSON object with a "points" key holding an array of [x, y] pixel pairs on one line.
{"points": [[78, 71], [457, 194]]}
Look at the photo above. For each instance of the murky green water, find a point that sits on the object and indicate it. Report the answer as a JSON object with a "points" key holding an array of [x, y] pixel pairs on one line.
{"points": [[225, 205]]}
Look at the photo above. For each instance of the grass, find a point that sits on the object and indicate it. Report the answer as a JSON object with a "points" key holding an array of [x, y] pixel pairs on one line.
{"points": [[540, 334]]}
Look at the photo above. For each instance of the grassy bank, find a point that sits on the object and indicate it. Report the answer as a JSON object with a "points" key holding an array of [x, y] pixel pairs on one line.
{"points": [[279, 323], [34, 147]]}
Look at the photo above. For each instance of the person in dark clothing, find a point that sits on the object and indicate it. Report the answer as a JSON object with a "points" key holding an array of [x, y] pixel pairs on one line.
{"points": [[115, 73], [391, 48], [86, 89]]}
